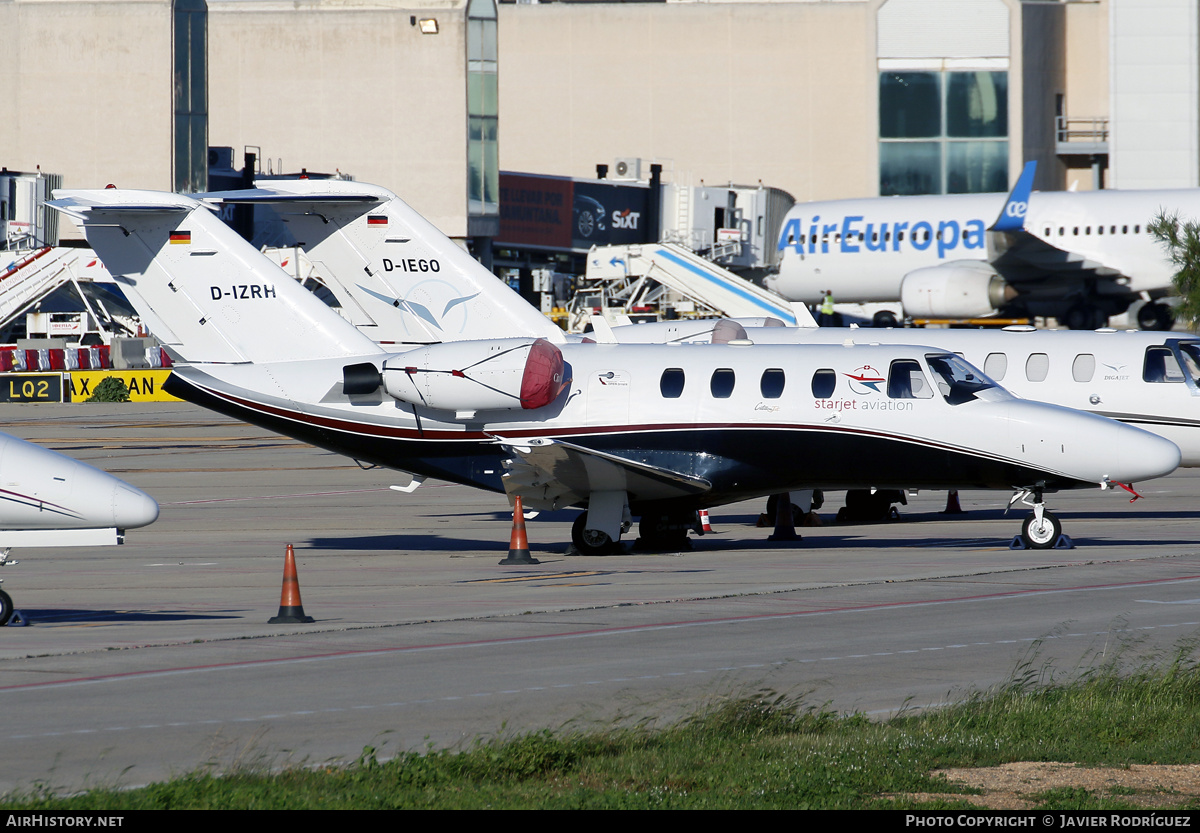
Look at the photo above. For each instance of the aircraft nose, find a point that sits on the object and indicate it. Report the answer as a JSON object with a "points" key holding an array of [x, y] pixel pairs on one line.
{"points": [[132, 507], [1144, 456]]}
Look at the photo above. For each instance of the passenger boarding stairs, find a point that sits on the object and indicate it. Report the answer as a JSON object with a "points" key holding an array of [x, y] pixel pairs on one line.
{"points": [[32, 276], [686, 273]]}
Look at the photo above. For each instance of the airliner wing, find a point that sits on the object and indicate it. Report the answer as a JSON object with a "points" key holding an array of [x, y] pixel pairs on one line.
{"points": [[550, 474], [1022, 257]]}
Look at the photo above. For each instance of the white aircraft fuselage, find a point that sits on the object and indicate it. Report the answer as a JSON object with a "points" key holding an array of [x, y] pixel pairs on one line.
{"points": [[1096, 247], [643, 429]]}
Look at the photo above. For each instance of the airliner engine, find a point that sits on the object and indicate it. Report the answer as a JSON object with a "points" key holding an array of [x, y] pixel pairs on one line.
{"points": [[496, 374], [958, 289]]}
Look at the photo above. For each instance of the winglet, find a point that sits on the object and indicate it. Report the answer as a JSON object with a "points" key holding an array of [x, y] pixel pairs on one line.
{"points": [[1012, 216]]}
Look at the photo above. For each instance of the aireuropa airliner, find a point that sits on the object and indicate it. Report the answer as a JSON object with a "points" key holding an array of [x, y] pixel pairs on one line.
{"points": [[1079, 257], [357, 231], [658, 431], [50, 500]]}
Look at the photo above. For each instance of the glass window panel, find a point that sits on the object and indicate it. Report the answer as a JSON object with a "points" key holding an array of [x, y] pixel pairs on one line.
{"points": [[976, 167], [977, 104], [1161, 366], [772, 382], [910, 168], [824, 382], [1083, 368], [489, 40], [475, 94], [671, 383], [722, 383], [491, 95], [910, 105], [474, 40], [1036, 367], [996, 365], [906, 381]]}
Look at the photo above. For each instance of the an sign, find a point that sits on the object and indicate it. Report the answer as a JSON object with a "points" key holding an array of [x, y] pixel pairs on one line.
{"points": [[31, 387], [143, 385], [562, 213]]}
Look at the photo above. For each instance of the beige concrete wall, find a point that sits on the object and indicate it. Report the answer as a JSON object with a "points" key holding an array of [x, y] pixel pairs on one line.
{"points": [[353, 86], [716, 91], [87, 91], [1087, 59]]}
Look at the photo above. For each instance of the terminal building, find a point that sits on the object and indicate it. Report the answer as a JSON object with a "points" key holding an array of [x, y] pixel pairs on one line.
{"points": [[820, 99]]}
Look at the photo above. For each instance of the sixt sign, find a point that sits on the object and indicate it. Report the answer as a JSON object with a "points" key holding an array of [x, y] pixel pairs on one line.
{"points": [[854, 235]]}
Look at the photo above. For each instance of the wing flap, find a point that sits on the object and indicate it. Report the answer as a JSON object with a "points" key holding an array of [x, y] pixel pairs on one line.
{"points": [[552, 474]]}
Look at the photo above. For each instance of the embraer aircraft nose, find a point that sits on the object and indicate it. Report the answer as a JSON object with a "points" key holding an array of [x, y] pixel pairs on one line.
{"points": [[1144, 456], [132, 507]]}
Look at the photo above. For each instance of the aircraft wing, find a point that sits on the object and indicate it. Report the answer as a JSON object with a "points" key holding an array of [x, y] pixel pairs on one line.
{"points": [[1020, 256], [552, 474]]}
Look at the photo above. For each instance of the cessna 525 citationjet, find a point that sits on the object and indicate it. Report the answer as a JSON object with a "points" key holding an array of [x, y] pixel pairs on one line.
{"points": [[49, 500], [401, 280], [657, 431]]}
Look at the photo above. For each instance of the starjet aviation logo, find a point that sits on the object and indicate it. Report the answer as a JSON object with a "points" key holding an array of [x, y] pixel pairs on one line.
{"points": [[854, 236], [865, 380]]}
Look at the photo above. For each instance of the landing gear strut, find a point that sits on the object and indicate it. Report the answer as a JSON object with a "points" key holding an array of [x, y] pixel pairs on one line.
{"points": [[1041, 530]]}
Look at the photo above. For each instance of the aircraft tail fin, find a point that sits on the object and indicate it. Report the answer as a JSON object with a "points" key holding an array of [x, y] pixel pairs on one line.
{"points": [[206, 293], [1012, 216], [398, 277]]}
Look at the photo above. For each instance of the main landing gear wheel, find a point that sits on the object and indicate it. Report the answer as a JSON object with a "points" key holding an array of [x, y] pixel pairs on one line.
{"points": [[1041, 535], [590, 541], [1156, 316], [6, 607]]}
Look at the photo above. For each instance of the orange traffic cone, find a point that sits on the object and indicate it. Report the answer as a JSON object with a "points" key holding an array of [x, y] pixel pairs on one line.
{"points": [[291, 610], [952, 506], [705, 526], [518, 542]]}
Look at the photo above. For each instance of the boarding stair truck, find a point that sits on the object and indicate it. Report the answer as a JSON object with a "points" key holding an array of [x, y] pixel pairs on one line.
{"points": [[715, 291]]}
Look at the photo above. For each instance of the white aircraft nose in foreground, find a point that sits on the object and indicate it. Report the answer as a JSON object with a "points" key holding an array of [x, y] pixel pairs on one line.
{"points": [[50, 500], [659, 431]]}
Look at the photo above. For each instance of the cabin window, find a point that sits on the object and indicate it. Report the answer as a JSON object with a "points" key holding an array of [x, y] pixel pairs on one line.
{"points": [[823, 383], [772, 382], [906, 381], [671, 383], [1083, 368], [1160, 366], [721, 383], [1037, 366], [996, 365]]}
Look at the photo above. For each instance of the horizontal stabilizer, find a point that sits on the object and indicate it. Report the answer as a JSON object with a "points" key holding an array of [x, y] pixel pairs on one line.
{"points": [[398, 277], [200, 288]]}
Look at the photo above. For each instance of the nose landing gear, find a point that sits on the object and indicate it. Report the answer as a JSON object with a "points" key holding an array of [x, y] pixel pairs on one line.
{"points": [[1041, 530]]}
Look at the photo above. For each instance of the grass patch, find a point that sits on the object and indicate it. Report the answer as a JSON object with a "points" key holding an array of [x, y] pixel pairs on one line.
{"points": [[762, 751]]}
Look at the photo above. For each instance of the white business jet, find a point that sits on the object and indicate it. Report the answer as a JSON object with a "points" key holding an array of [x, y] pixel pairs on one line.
{"points": [[658, 431], [401, 279], [49, 500], [1079, 257]]}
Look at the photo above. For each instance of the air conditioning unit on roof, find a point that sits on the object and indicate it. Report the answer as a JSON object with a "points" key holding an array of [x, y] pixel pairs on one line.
{"points": [[627, 168]]}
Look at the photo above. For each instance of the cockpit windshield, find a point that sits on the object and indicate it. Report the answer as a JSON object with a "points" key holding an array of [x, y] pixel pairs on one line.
{"points": [[959, 381]]}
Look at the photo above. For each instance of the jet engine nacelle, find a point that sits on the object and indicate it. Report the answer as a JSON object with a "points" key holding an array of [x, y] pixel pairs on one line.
{"points": [[497, 374], [958, 289]]}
